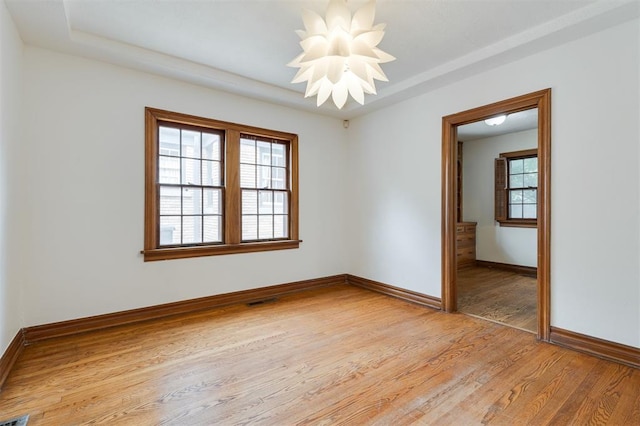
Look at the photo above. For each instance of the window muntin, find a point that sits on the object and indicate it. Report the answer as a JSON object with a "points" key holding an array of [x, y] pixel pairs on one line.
{"points": [[195, 204]]}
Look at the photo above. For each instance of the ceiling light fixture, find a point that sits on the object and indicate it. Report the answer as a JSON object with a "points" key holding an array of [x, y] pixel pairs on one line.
{"points": [[495, 121], [339, 55]]}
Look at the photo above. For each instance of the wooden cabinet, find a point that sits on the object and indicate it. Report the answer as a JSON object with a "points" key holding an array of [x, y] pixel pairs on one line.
{"points": [[466, 244]]}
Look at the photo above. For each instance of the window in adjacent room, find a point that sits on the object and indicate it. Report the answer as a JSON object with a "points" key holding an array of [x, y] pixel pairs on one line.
{"points": [[516, 188], [217, 188]]}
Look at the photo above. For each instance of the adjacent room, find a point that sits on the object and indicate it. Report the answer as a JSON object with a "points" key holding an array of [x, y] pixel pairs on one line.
{"points": [[305, 212]]}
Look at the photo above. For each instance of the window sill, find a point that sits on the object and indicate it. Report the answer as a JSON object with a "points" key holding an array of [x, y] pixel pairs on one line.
{"points": [[216, 250], [519, 223]]}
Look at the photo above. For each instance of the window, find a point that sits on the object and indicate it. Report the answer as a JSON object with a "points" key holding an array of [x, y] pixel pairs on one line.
{"points": [[516, 188], [217, 188], [263, 181]]}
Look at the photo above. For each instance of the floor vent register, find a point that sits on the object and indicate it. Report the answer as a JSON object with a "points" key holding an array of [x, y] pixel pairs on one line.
{"points": [[18, 421]]}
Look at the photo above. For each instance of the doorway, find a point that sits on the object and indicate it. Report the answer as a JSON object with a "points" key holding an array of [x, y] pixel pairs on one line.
{"points": [[496, 234], [451, 191]]}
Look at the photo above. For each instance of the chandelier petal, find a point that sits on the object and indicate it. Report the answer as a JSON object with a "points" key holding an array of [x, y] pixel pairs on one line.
{"points": [[336, 69], [371, 38], [313, 23], [303, 74], [312, 88], [359, 47], [314, 47], [355, 88], [340, 93], [338, 15], [363, 18], [320, 70], [358, 68], [383, 56], [296, 62], [324, 92], [377, 73]]}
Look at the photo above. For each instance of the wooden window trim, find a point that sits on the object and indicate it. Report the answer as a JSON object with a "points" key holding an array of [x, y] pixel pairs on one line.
{"points": [[501, 207], [231, 193]]}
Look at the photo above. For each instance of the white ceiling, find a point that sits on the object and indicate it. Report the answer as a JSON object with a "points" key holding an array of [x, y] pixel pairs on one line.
{"points": [[243, 46]]}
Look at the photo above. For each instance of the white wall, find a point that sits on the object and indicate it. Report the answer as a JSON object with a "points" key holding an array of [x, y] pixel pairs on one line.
{"points": [[395, 181], [85, 186], [11, 67], [495, 243]]}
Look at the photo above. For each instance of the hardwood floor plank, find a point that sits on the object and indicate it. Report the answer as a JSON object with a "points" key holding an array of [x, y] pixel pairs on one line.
{"points": [[600, 402], [497, 295], [336, 355], [554, 391]]}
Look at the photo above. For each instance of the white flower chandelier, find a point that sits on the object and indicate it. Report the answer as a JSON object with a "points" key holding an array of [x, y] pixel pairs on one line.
{"points": [[339, 55]]}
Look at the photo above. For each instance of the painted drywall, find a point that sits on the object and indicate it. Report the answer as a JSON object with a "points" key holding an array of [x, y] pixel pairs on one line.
{"points": [[395, 180], [11, 51], [495, 243], [84, 131]]}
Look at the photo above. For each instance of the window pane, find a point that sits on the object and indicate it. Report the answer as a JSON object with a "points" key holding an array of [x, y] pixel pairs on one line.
{"points": [[516, 166], [169, 170], [279, 176], [515, 211], [278, 155], [530, 196], [169, 139], [170, 230], [264, 177], [190, 144], [280, 203], [191, 229], [212, 228], [211, 173], [249, 228], [264, 153], [247, 151], [191, 200], [515, 197], [515, 181], [169, 200], [280, 226], [247, 176], [265, 203], [265, 227], [190, 172], [211, 145], [529, 211], [531, 165], [531, 180], [212, 201], [249, 202]]}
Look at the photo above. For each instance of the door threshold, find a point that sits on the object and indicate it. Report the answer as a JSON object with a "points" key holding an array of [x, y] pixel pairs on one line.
{"points": [[498, 322]]}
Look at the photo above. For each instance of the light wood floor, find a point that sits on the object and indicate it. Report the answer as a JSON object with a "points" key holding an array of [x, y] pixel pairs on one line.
{"points": [[338, 355], [498, 295]]}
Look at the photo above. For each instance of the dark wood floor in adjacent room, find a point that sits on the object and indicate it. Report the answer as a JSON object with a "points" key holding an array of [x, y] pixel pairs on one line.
{"points": [[498, 295], [337, 355]]}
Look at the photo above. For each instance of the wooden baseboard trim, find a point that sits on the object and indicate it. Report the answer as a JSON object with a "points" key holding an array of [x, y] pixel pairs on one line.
{"points": [[397, 292], [10, 356], [598, 347], [99, 322], [523, 270]]}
